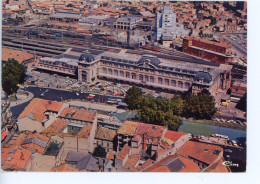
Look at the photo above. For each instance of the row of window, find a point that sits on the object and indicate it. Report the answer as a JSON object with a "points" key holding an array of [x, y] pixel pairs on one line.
{"points": [[61, 69], [56, 63], [152, 71], [147, 78]]}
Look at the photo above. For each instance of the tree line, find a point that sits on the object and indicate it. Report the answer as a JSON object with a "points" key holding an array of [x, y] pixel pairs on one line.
{"points": [[168, 112]]}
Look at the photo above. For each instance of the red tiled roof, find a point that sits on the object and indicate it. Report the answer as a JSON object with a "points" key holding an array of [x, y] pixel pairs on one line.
{"points": [[146, 164], [56, 127], [173, 135], [105, 134], [85, 131], [150, 130], [209, 42], [64, 168], [110, 155], [78, 114], [18, 55], [32, 146], [15, 157], [132, 161], [218, 167], [189, 165], [38, 107], [122, 154], [3, 135], [200, 151]]}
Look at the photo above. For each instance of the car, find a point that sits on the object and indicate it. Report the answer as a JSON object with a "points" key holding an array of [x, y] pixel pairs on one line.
{"points": [[202, 137], [228, 150]]}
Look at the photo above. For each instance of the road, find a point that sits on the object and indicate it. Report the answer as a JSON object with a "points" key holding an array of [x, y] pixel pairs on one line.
{"points": [[58, 95]]}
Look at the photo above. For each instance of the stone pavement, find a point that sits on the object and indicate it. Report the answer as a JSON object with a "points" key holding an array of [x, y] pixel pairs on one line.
{"points": [[21, 99]]}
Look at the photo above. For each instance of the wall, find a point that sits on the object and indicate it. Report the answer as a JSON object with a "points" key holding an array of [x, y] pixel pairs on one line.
{"points": [[43, 162], [176, 146], [30, 125]]}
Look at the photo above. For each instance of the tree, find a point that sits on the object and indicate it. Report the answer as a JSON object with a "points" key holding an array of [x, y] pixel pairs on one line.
{"points": [[13, 74], [161, 111], [133, 97], [201, 106], [100, 152]]}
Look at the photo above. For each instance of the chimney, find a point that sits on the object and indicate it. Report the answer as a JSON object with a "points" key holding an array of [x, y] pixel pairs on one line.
{"points": [[22, 156]]}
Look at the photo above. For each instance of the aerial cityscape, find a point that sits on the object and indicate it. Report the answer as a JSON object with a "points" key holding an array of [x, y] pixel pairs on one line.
{"points": [[124, 86]]}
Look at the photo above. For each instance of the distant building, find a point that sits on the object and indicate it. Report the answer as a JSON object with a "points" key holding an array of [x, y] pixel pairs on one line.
{"points": [[127, 22], [165, 24], [65, 17], [210, 50], [238, 90]]}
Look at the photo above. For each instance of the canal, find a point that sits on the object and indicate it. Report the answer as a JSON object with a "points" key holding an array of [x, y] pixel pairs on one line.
{"points": [[206, 130]]}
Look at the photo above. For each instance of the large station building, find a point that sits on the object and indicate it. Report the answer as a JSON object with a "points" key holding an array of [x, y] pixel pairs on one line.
{"points": [[209, 50], [168, 74]]}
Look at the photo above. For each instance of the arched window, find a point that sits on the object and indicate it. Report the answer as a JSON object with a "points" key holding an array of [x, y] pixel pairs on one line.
{"points": [[141, 77], [133, 76], [173, 83], [122, 73], [152, 79], [187, 85], [116, 72], [180, 84], [110, 71], [104, 70], [127, 74], [146, 78], [167, 82], [160, 80]]}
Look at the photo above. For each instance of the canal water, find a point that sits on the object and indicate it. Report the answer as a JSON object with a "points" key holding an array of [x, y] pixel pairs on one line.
{"points": [[206, 130]]}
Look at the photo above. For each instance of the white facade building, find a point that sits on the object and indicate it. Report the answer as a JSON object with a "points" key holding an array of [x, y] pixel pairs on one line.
{"points": [[165, 24]]}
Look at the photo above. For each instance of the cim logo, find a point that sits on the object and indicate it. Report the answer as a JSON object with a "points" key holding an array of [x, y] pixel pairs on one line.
{"points": [[230, 164]]}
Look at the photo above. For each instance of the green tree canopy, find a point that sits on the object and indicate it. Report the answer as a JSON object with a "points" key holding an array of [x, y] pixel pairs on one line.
{"points": [[201, 106], [13, 74], [100, 152], [132, 98]]}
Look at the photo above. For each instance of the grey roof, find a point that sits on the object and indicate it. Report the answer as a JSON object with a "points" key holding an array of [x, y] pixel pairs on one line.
{"points": [[35, 140], [74, 156], [174, 164], [149, 59], [87, 57], [89, 163], [205, 76], [83, 160]]}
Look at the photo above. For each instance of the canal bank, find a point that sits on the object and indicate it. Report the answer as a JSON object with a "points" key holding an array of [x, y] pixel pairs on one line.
{"points": [[196, 128]]}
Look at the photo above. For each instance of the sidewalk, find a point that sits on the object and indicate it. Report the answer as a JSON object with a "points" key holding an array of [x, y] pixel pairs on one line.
{"points": [[20, 100], [102, 107]]}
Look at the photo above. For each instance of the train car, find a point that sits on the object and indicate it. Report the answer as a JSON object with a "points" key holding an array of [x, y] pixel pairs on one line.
{"points": [[150, 48]]}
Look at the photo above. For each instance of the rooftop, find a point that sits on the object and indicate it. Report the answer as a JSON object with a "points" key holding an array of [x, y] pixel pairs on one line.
{"points": [[56, 127], [129, 128], [78, 114], [105, 133], [18, 55], [173, 136], [37, 107], [64, 168], [122, 154], [15, 158], [203, 152], [174, 163]]}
